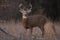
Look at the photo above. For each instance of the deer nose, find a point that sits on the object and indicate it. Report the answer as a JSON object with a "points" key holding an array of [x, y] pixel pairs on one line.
{"points": [[25, 9]]}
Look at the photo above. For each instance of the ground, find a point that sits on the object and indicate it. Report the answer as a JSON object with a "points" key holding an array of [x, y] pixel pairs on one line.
{"points": [[16, 29]]}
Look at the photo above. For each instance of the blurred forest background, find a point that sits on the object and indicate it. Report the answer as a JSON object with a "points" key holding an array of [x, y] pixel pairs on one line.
{"points": [[9, 8]]}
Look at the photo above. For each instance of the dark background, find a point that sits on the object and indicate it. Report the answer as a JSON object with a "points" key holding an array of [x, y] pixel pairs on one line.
{"points": [[9, 8]]}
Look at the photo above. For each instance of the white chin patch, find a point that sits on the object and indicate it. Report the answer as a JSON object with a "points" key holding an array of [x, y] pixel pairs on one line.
{"points": [[24, 17]]}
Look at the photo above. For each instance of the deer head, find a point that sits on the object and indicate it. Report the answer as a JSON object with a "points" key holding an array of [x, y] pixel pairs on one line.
{"points": [[25, 8]]}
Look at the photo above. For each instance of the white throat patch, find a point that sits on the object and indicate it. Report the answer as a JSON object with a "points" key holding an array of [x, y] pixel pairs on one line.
{"points": [[24, 16]]}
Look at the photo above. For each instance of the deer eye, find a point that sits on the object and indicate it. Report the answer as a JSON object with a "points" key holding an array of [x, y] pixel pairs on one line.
{"points": [[29, 7], [21, 6]]}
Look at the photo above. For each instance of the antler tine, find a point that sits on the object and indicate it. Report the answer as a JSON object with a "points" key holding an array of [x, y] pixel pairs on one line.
{"points": [[21, 10], [30, 6], [29, 10], [20, 5]]}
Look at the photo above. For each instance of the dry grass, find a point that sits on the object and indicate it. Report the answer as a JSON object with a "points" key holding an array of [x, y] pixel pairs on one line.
{"points": [[15, 32]]}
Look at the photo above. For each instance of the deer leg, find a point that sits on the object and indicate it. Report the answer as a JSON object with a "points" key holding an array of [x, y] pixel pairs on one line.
{"points": [[42, 29], [24, 34], [29, 36], [31, 31]]}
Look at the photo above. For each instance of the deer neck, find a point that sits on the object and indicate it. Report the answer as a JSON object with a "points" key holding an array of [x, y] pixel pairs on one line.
{"points": [[24, 16]]}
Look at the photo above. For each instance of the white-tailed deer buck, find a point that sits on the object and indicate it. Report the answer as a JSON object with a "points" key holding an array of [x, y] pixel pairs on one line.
{"points": [[32, 21]]}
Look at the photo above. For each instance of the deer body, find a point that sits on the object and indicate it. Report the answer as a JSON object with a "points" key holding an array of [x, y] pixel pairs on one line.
{"points": [[34, 21], [29, 22]]}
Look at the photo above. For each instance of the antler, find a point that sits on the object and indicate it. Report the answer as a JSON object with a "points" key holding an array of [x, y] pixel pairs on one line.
{"points": [[21, 9], [29, 10], [30, 5], [20, 5], [24, 9]]}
